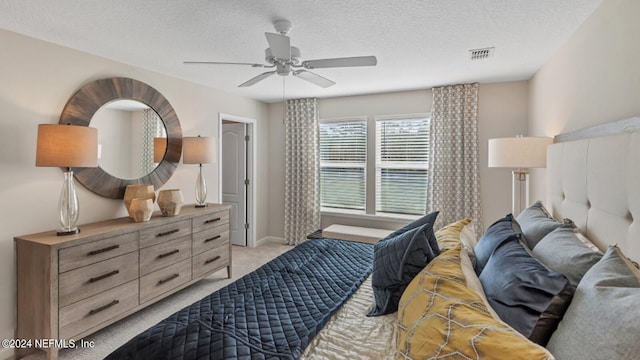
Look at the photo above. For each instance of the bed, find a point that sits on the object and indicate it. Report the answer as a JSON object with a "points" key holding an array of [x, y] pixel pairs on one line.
{"points": [[576, 299]]}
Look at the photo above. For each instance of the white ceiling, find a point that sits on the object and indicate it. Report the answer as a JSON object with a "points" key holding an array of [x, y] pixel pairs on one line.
{"points": [[419, 43]]}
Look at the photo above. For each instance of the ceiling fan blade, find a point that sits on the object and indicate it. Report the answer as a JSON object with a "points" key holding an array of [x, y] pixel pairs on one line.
{"points": [[257, 79], [280, 45], [313, 78], [222, 63], [340, 62]]}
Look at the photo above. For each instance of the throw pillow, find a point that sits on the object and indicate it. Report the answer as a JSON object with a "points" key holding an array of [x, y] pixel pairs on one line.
{"points": [[449, 235], [440, 317], [396, 261], [427, 219], [603, 321], [458, 233], [500, 231], [562, 251], [524, 293], [536, 222]]}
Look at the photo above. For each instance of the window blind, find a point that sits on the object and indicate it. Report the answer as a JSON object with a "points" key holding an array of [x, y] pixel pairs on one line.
{"points": [[343, 156], [402, 162]]}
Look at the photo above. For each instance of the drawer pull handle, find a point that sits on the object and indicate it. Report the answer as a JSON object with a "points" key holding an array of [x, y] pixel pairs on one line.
{"points": [[213, 238], [168, 279], [97, 278], [104, 307], [169, 253], [212, 260], [108, 248], [212, 220], [168, 232]]}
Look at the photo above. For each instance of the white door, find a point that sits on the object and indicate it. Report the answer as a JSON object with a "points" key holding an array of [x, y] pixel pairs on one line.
{"points": [[234, 174]]}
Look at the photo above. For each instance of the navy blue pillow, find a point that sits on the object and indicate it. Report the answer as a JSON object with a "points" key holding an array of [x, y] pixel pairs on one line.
{"points": [[500, 231], [524, 293], [396, 262], [427, 219]]}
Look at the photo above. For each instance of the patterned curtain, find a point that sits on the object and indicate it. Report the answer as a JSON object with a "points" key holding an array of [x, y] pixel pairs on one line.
{"points": [[454, 172], [152, 128], [302, 171]]}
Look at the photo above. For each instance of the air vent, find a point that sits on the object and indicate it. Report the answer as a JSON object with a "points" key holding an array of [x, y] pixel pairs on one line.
{"points": [[481, 54]]}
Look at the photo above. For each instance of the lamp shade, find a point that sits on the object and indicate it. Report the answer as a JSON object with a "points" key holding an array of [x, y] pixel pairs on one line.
{"points": [[519, 152], [159, 148], [198, 150], [67, 146]]}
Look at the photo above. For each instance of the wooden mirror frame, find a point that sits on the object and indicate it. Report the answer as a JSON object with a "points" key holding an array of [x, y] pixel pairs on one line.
{"points": [[83, 105]]}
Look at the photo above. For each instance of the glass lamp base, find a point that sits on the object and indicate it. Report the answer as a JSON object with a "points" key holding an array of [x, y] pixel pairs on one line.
{"points": [[63, 232]]}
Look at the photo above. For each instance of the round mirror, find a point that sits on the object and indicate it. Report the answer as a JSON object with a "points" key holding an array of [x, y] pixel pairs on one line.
{"points": [[139, 135], [132, 138]]}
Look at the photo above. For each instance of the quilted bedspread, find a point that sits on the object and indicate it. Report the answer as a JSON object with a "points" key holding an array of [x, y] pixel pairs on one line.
{"points": [[271, 313]]}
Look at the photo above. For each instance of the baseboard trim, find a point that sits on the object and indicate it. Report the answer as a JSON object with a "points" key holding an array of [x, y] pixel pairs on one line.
{"points": [[269, 239]]}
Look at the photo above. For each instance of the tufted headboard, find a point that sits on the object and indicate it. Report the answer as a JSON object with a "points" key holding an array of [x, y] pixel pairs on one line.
{"points": [[595, 181]]}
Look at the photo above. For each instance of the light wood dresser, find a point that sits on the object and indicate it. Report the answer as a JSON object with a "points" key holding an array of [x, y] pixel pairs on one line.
{"points": [[71, 286]]}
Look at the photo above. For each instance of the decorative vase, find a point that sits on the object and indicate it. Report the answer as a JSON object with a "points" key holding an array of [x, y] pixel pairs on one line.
{"points": [[170, 202], [138, 192], [141, 209]]}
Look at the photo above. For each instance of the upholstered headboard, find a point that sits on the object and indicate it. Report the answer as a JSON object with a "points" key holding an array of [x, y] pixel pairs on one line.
{"points": [[595, 181]]}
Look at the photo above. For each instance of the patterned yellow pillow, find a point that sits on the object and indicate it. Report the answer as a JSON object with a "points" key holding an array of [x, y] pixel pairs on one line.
{"points": [[440, 317], [449, 235]]}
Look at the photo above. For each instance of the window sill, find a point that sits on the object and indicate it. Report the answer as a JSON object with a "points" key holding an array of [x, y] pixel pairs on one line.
{"points": [[356, 214]]}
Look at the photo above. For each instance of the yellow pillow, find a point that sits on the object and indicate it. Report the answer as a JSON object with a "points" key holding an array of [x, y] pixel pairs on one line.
{"points": [[449, 235], [440, 317]]}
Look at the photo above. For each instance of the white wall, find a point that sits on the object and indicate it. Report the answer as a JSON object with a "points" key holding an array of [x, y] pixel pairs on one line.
{"points": [[593, 78], [37, 80], [502, 111]]}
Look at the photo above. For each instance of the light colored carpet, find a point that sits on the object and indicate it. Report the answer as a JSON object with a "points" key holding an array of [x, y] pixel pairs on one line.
{"points": [[110, 338]]}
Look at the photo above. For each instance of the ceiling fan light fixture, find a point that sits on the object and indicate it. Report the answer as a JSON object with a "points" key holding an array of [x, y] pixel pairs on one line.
{"points": [[282, 26], [283, 57], [296, 56]]}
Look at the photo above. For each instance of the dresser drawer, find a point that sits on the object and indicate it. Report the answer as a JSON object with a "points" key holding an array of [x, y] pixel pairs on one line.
{"points": [[95, 251], [205, 222], [211, 239], [163, 280], [164, 233], [210, 261], [97, 309], [87, 281], [162, 255]]}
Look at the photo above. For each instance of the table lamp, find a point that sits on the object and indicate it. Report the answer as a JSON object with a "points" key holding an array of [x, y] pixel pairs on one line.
{"points": [[199, 150], [67, 146]]}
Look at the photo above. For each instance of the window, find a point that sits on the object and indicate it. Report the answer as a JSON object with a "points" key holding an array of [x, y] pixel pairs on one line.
{"points": [[343, 156], [398, 153], [402, 155]]}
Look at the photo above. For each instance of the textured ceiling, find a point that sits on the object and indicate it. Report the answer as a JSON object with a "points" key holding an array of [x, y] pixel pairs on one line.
{"points": [[418, 43]]}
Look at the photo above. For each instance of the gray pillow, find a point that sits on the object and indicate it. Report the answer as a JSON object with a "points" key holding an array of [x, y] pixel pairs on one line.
{"points": [[536, 222], [603, 321], [562, 251]]}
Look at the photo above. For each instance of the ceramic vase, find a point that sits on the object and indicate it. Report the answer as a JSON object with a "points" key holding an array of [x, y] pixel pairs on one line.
{"points": [[170, 202], [138, 192], [141, 209]]}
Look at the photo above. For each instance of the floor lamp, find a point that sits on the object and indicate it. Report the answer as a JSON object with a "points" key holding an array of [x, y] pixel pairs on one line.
{"points": [[521, 153]]}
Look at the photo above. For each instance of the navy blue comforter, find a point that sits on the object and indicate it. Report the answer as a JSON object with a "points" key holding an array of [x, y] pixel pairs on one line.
{"points": [[271, 313]]}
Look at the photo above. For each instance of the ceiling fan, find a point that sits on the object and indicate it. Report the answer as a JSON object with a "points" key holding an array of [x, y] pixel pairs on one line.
{"points": [[287, 60]]}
